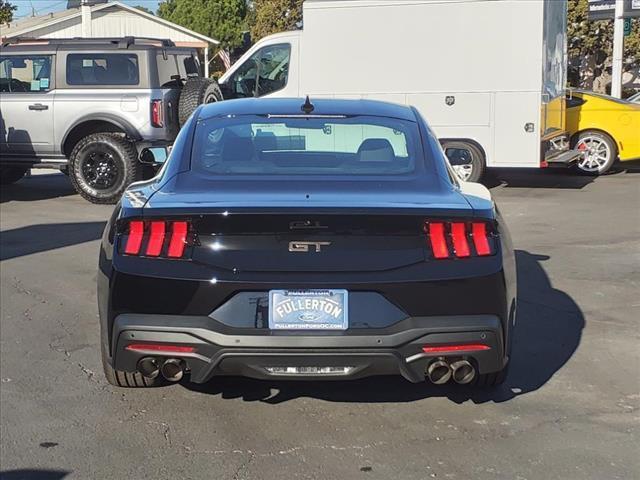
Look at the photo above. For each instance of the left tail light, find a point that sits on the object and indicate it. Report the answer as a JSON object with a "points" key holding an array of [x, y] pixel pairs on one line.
{"points": [[460, 239], [156, 238], [157, 116]]}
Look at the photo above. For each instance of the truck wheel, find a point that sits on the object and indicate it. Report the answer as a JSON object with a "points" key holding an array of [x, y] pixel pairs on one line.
{"points": [[196, 91], [102, 166], [10, 174], [466, 159], [119, 378], [599, 152]]}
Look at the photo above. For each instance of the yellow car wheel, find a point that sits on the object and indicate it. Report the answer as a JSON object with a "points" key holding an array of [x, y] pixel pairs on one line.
{"points": [[599, 152]]}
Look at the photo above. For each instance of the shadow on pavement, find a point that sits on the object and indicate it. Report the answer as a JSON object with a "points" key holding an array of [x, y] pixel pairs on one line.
{"points": [[548, 331], [559, 178], [43, 237], [33, 474], [632, 166], [37, 187], [562, 178]]}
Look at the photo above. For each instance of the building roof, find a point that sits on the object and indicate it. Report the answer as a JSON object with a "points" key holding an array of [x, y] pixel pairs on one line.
{"points": [[24, 27]]}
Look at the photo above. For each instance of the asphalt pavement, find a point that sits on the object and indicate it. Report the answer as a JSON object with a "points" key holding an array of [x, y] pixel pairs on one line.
{"points": [[568, 410]]}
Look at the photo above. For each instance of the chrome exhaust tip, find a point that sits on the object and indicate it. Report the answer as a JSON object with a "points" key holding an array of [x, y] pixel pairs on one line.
{"points": [[148, 367], [463, 372], [439, 372], [172, 370]]}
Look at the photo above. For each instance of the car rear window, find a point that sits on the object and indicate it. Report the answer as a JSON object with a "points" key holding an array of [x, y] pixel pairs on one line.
{"points": [[173, 67], [306, 145], [102, 69]]}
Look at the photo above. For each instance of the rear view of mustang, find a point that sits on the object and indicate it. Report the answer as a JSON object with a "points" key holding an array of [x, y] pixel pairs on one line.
{"points": [[292, 239]]}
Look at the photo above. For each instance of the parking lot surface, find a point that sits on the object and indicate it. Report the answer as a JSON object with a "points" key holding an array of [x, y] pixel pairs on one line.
{"points": [[568, 410]]}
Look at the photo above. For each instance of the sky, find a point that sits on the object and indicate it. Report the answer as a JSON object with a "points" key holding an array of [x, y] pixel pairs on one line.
{"points": [[45, 6]]}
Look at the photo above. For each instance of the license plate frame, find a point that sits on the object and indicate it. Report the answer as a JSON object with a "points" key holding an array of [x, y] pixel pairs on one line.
{"points": [[309, 309]]}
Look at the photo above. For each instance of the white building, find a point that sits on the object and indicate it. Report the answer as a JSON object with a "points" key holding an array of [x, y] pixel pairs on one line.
{"points": [[107, 19]]}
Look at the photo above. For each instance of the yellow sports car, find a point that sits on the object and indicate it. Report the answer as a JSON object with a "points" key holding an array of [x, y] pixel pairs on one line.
{"points": [[604, 127]]}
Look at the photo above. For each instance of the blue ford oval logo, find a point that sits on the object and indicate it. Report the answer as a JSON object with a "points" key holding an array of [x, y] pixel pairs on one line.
{"points": [[308, 317]]}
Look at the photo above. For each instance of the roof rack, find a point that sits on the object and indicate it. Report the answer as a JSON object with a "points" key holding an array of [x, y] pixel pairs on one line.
{"points": [[122, 42]]}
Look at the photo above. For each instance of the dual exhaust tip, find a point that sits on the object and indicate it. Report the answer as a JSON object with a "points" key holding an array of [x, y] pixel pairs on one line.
{"points": [[171, 369], [461, 371]]}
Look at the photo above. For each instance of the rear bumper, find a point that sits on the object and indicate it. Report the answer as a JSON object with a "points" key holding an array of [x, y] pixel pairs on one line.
{"points": [[222, 350]]}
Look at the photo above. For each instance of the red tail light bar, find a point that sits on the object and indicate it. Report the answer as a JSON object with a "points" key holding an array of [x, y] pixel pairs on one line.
{"points": [[459, 239], [156, 238], [468, 347], [159, 347]]}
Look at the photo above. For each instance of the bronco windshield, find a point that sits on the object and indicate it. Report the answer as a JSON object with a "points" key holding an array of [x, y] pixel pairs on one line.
{"points": [[306, 145]]}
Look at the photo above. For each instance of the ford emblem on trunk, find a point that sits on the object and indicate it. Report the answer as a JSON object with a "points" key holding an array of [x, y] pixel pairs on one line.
{"points": [[305, 247]]}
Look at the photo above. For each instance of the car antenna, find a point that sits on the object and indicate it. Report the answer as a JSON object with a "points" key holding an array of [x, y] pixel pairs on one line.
{"points": [[308, 106]]}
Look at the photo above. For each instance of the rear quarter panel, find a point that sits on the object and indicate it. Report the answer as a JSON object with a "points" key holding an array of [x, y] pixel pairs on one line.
{"points": [[620, 121]]}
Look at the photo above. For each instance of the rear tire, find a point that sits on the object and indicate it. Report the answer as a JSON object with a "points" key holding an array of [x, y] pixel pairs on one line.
{"points": [[600, 152], [119, 378], [196, 91], [466, 159], [10, 174], [102, 166]]}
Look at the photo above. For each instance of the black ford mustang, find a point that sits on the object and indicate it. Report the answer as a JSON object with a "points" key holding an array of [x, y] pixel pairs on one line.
{"points": [[287, 239]]}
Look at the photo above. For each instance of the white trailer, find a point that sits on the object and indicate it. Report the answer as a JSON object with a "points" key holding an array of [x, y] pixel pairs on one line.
{"points": [[489, 76]]}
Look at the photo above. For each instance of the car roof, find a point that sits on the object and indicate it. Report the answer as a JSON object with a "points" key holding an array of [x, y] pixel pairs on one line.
{"points": [[26, 45], [293, 106]]}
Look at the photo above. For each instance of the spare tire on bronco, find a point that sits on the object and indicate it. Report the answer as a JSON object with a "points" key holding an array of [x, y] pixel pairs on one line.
{"points": [[196, 90]]}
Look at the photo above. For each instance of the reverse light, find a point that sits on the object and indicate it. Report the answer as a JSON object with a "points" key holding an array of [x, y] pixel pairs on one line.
{"points": [[159, 347], [160, 238], [470, 347], [455, 239], [157, 118]]}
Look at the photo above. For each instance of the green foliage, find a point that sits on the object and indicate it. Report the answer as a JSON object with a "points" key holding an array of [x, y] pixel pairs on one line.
{"points": [[223, 20], [143, 9], [6, 11], [273, 16], [592, 42]]}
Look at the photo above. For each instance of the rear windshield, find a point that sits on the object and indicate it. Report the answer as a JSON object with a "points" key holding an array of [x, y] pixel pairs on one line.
{"points": [[173, 67], [274, 145]]}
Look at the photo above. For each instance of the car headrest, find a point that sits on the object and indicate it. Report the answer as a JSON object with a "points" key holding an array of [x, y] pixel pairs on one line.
{"points": [[238, 149], [376, 150]]}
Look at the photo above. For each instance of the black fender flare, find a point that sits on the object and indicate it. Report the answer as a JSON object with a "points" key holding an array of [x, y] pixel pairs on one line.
{"points": [[119, 122]]}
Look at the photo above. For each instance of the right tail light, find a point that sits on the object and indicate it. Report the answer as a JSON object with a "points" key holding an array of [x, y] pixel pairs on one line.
{"points": [[462, 239], [156, 238]]}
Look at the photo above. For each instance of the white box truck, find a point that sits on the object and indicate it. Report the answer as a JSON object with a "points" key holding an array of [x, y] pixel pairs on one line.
{"points": [[489, 76]]}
